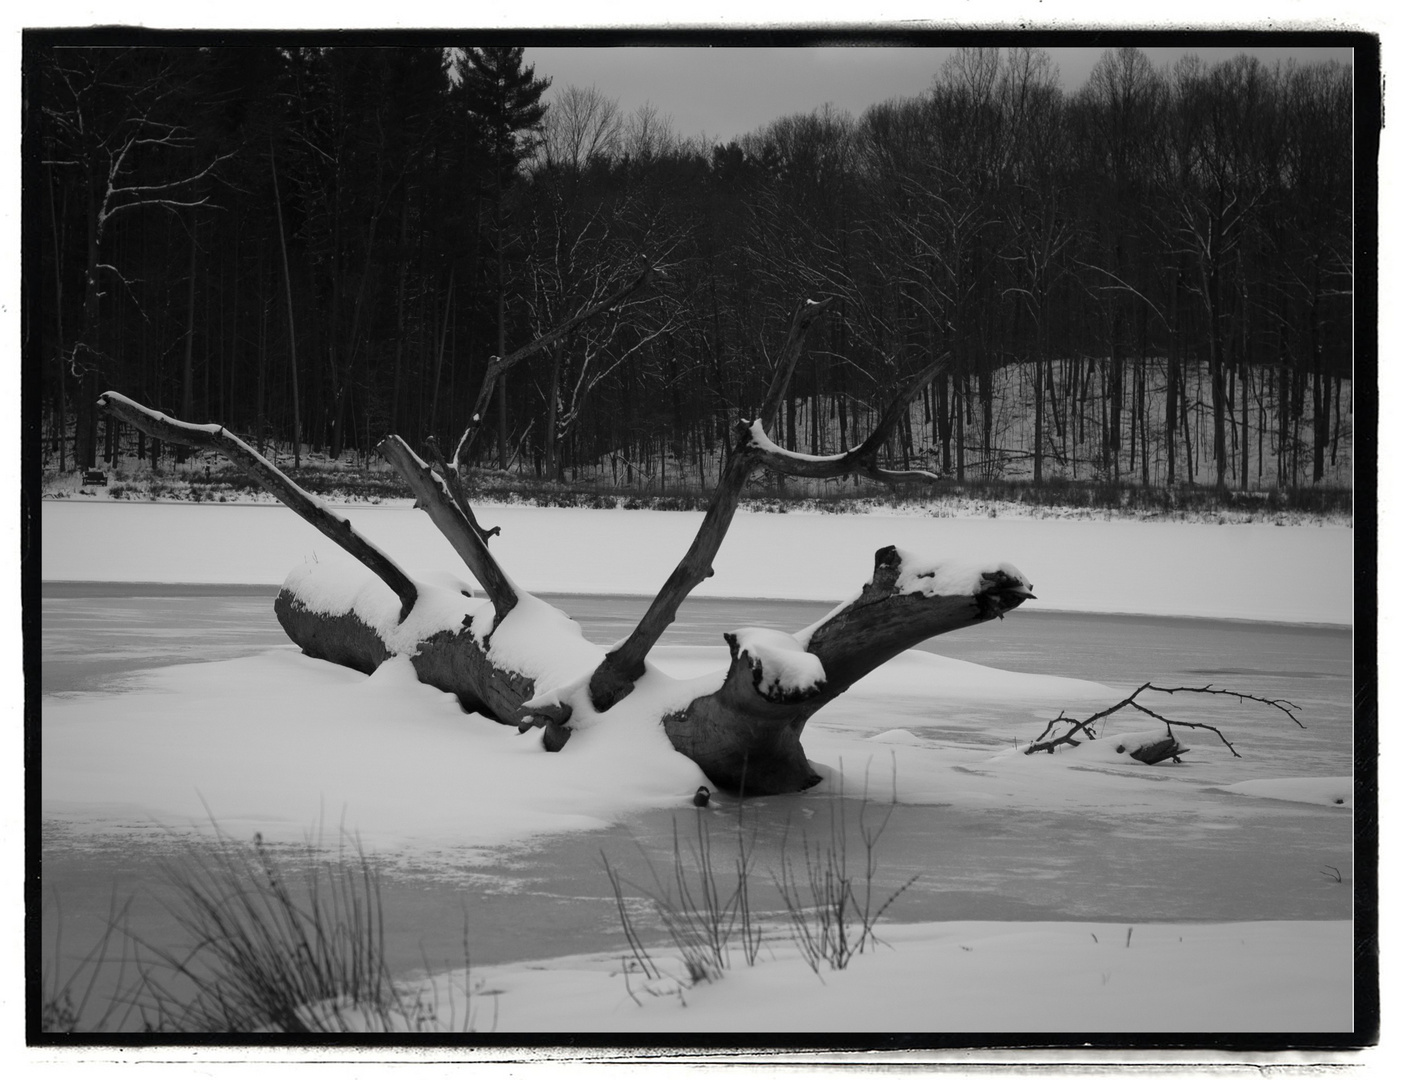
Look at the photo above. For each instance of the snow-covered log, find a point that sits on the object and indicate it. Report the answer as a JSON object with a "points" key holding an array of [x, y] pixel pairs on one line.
{"points": [[520, 661], [456, 642]]}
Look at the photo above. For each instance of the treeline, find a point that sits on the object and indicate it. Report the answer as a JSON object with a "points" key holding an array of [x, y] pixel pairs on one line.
{"points": [[1149, 279]]}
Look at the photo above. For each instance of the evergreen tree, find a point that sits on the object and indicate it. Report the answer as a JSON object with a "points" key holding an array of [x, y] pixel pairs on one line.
{"points": [[503, 104]]}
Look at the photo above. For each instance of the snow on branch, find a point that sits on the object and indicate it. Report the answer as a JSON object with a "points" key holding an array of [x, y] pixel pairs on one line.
{"points": [[306, 505], [858, 461]]}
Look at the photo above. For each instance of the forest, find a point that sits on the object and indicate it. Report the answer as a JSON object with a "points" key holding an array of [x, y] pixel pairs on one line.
{"points": [[1146, 281]]}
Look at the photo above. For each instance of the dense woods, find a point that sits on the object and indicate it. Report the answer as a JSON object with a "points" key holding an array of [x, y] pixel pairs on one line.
{"points": [[1148, 280]]}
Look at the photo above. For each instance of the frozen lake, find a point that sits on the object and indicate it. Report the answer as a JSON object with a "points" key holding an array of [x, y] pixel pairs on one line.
{"points": [[1231, 858]]}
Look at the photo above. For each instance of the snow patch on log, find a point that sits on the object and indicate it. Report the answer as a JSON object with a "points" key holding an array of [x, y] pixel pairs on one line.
{"points": [[539, 640], [351, 588], [927, 576], [535, 639], [782, 668], [950, 577]]}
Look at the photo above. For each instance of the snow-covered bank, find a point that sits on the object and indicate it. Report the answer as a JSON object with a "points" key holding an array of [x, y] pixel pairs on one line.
{"points": [[1265, 572], [1058, 977]]}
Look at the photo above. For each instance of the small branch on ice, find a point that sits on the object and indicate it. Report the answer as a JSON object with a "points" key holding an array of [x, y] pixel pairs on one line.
{"points": [[1158, 752], [307, 506]]}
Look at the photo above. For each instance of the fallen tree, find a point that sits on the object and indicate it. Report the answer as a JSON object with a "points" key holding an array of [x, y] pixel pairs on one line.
{"points": [[520, 661]]}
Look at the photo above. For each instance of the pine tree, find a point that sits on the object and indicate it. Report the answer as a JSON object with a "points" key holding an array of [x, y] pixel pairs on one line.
{"points": [[503, 103]]}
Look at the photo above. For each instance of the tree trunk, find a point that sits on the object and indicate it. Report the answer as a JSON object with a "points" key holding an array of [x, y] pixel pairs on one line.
{"points": [[746, 736], [188, 367], [292, 336]]}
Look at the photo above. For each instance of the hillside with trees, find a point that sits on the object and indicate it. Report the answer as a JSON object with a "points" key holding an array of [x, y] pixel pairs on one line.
{"points": [[1147, 281]]}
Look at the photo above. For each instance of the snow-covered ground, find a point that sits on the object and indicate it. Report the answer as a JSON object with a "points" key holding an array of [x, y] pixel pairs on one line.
{"points": [[277, 742], [951, 977]]}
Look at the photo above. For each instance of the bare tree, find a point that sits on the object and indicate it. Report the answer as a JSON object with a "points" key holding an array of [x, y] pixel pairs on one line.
{"points": [[110, 120], [582, 126]]}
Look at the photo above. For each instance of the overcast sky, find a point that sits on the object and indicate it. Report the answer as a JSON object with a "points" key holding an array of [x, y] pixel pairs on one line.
{"points": [[727, 92]]}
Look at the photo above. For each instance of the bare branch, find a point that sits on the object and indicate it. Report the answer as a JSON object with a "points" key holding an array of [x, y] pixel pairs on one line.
{"points": [[434, 497], [615, 677], [1067, 738], [307, 506], [498, 365]]}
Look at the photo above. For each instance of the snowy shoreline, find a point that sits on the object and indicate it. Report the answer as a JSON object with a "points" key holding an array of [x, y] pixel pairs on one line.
{"points": [[1293, 574]]}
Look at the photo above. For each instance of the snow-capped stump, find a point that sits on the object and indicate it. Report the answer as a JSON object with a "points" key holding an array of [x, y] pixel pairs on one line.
{"points": [[1160, 749], [745, 740], [1149, 747], [783, 671]]}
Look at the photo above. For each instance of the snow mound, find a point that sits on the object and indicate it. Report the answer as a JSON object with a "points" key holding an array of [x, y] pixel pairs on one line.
{"points": [[784, 669], [898, 736], [1320, 790]]}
